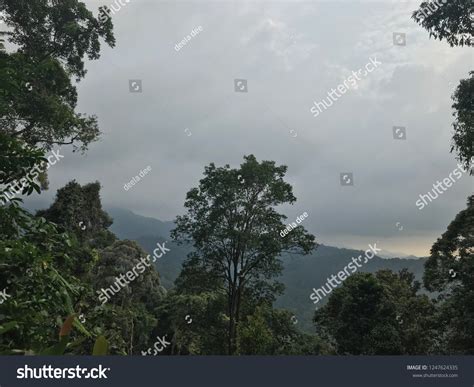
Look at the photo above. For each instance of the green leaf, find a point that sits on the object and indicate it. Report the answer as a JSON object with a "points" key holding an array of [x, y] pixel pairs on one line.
{"points": [[8, 327], [101, 346], [57, 349]]}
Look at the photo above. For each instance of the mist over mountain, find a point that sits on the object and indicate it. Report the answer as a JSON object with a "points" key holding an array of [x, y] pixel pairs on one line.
{"points": [[300, 274], [128, 225]]}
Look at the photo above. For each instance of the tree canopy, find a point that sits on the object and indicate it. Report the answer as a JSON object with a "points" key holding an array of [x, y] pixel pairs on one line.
{"points": [[447, 20], [450, 271], [235, 229], [48, 40]]}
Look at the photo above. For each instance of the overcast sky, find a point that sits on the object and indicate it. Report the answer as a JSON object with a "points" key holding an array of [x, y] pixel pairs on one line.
{"points": [[291, 54]]}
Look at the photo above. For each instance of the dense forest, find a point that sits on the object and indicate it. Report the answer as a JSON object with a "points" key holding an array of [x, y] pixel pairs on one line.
{"points": [[62, 269]]}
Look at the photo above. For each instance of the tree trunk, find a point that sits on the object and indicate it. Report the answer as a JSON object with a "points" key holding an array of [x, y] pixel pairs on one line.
{"points": [[232, 325], [234, 317]]}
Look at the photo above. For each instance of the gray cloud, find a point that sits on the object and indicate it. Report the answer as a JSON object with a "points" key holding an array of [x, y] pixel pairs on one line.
{"points": [[292, 54]]}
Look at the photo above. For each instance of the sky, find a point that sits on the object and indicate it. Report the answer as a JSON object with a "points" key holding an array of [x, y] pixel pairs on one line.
{"points": [[291, 54]]}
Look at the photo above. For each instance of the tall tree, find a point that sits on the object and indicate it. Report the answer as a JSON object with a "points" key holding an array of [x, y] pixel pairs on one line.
{"points": [[49, 40], [450, 271], [235, 229], [452, 21], [463, 138]]}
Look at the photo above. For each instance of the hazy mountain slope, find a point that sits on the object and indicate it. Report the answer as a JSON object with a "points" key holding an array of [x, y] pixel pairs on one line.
{"points": [[303, 273], [128, 225], [169, 266], [300, 275]]}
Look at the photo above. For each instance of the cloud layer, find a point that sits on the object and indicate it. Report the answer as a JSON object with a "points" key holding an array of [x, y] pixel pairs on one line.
{"points": [[291, 54]]}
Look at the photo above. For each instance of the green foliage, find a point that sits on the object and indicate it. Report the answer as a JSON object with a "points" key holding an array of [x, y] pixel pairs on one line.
{"points": [[195, 323], [78, 210], [450, 271], [378, 314], [16, 162], [450, 20], [234, 228], [37, 97], [49, 270], [255, 336], [51, 264], [31, 252], [129, 317], [101, 346], [269, 331], [463, 138], [65, 30], [40, 295]]}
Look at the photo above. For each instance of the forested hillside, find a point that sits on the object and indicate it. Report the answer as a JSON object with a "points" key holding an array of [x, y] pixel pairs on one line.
{"points": [[300, 273], [221, 278]]}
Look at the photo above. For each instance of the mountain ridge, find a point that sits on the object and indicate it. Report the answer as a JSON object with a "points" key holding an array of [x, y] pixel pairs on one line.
{"points": [[300, 273]]}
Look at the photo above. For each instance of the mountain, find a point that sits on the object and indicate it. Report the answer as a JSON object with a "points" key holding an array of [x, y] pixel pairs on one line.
{"points": [[300, 275], [303, 273], [391, 254], [128, 225]]}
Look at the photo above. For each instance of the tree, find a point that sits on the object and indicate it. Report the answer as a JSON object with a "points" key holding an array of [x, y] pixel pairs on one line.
{"points": [[128, 317], [234, 227], [51, 271], [463, 139], [379, 314], [450, 271], [452, 21], [449, 20], [255, 336], [34, 262], [52, 38], [78, 210], [268, 331], [194, 323]]}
